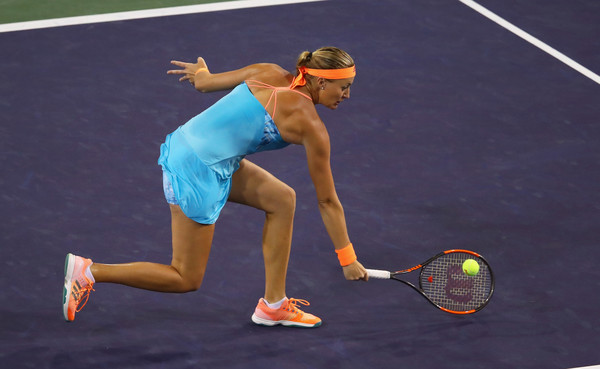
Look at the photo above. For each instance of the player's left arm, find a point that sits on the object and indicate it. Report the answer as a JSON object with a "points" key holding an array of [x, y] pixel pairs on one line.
{"points": [[203, 80]]}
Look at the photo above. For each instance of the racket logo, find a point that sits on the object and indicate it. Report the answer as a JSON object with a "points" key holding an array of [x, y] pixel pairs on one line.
{"points": [[458, 288]]}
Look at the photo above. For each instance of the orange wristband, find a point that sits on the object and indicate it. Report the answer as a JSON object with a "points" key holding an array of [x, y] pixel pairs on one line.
{"points": [[346, 255]]}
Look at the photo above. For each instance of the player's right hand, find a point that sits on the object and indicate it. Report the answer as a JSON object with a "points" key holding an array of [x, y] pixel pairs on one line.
{"points": [[355, 272]]}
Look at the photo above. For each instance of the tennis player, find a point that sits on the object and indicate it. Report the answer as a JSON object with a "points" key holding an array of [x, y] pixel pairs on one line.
{"points": [[204, 166]]}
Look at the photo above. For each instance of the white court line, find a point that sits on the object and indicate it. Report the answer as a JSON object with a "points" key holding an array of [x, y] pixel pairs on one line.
{"points": [[589, 367], [140, 14], [536, 42]]}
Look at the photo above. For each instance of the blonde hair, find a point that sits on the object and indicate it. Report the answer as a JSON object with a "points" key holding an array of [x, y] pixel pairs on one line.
{"points": [[325, 58]]}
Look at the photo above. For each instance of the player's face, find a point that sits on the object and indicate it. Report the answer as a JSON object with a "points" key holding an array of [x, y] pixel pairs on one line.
{"points": [[335, 91]]}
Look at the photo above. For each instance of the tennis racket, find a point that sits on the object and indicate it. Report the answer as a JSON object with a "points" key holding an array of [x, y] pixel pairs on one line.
{"points": [[444, 284]]}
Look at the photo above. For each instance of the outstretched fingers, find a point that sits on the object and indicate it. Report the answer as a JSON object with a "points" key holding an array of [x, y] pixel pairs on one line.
{"points": [[188, 70], [185, 66]]}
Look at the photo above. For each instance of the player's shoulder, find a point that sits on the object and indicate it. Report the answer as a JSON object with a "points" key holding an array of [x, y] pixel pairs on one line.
{"points": [[271, 70], [308, 120], [298, 117]]}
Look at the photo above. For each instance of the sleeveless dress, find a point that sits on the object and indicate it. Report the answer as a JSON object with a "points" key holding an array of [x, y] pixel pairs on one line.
{"points": [[199, 158]]}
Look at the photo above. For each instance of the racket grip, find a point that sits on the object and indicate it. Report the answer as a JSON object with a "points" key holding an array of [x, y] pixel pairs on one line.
{"points": [[378, 274]]}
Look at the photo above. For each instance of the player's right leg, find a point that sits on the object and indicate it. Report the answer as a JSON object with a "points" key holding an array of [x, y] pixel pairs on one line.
{"points": [[191, 248], [77, 286]]}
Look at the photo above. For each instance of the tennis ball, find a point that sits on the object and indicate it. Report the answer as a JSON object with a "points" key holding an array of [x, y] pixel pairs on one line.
{"points": [[470, 267]]}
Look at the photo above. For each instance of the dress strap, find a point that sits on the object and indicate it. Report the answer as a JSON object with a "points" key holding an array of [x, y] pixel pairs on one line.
{"points": [[255, 83], [296, 91], [273, 97]]}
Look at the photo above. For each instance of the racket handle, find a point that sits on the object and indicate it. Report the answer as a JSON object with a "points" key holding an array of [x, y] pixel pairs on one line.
{"points": [[378, 274]]}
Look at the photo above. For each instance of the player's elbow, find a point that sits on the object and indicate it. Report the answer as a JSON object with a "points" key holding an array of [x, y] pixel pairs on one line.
{"points": [[327, 203], [324, 202]]}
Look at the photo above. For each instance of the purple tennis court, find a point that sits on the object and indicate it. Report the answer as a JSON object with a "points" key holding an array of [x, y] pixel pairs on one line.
{"points": [[458, 135]]}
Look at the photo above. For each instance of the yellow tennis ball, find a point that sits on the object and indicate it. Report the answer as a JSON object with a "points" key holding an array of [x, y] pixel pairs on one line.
{"points": [[470, 267]]}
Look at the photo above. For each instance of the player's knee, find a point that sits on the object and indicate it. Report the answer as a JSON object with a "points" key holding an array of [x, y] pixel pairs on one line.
{"points": [[191, 284], [286, 199]]}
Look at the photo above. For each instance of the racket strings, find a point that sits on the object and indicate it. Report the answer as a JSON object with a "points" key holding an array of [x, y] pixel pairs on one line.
{"points": [[445, 283]]}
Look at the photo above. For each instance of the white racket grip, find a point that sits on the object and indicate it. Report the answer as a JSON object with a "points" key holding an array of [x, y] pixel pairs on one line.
{"points": [[378, 274]]}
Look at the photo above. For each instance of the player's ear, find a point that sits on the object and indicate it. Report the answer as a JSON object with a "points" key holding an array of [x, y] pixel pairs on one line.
{"points": [[321, 83]]}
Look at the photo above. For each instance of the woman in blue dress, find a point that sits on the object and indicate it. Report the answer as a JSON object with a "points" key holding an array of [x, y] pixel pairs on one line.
{"points": [[204, 166]]}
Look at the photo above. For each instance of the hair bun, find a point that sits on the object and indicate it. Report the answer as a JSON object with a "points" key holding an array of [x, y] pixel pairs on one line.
{"points": [[325, 58]]}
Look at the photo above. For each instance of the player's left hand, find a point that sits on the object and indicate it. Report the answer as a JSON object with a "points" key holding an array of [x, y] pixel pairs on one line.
{"points": [[188, 69]]}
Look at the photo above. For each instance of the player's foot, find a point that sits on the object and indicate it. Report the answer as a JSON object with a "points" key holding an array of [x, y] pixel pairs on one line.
{"points": [[77, 285], [288, 314]]}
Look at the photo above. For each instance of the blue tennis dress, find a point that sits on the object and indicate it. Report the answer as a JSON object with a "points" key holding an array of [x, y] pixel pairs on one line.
{"points": [[200, 157]]}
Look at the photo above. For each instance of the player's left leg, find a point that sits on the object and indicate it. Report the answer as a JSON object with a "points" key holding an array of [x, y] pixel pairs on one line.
{"points": [[256, 187]]}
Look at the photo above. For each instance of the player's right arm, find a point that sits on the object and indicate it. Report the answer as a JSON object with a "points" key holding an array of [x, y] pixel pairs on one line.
{"points": [[315, 139]]}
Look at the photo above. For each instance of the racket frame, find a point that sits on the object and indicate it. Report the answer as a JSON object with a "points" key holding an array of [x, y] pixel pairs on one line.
{"points": [[393, 275]]}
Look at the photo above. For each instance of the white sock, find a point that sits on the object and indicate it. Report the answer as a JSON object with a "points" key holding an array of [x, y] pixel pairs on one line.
{"points": [[275, 305], [88, 274]]}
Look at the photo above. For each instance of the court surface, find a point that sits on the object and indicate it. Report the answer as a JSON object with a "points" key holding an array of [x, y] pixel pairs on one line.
{"points": [[458, 134]]}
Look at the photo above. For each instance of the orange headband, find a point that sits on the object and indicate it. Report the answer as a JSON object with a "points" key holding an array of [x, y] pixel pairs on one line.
{"points": [[324, 73]]}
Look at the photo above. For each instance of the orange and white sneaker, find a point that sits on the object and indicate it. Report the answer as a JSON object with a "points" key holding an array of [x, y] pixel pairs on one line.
{"points": [[288, 315], [77, 285]]}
